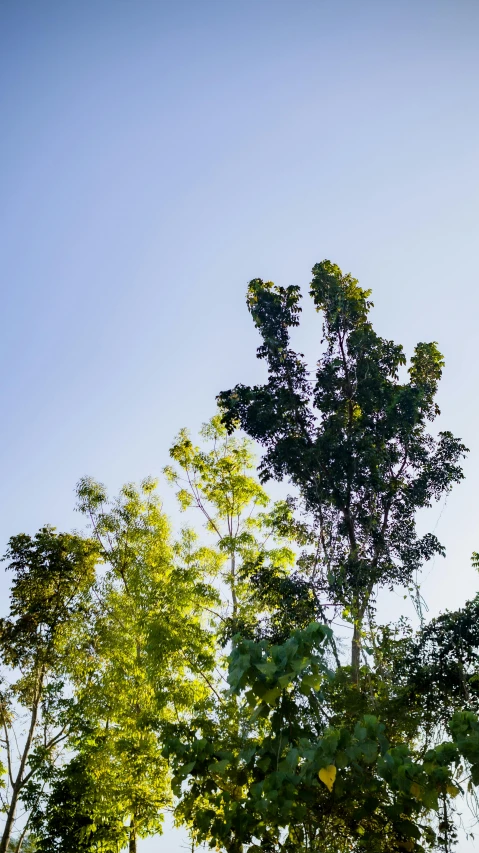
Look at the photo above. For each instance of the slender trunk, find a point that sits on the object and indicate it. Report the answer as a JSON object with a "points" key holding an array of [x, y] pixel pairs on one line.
{"points": [[358, 613], [359, 609], [7, 831], [132, 842], [356, 652], [446, 826], [233, 586], [356, 641], [18, 784], [465, 685]]}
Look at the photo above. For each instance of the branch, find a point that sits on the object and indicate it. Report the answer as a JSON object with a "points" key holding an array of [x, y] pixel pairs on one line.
{"points": [[9, 754], [200, 672]]}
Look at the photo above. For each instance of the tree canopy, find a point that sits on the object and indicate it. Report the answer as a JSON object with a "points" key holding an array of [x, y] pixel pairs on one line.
{"points": [[352, 437], [202, 671]]}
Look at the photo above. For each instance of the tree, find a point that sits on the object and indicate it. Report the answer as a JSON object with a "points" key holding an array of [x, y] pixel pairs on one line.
{"points": [[145, 658], [354, 440], [294, 748], [301, 780], [249, 533], [336, 758], [52, 577], [76, 814]]}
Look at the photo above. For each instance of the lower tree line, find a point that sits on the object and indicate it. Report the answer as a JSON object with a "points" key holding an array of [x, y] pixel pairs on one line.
{"points": [[204, 674]]}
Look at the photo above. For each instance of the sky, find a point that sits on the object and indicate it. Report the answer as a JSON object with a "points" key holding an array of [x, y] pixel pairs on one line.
{"points": [[156, 156]]}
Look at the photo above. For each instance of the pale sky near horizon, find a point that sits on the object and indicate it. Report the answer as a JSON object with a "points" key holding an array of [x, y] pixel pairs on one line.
{"points": [[155, 156]]}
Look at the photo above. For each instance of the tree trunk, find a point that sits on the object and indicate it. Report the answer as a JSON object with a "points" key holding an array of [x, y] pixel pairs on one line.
{"points": [[356, 652], [19, 781], [233, 587], [7, 830], [132, 843], [359, 610]]}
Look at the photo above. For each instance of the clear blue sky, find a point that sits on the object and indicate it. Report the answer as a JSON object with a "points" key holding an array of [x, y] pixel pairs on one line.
{"points": [[155, 156]]}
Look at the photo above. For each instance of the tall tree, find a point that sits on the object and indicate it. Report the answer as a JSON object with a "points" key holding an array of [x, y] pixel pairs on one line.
{"points": [[354, 439], [146, 657], [52, 575], [337, 758], [248, 531]]}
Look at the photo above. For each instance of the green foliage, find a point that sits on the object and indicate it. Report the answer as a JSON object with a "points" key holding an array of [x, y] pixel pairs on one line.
{"points": [[78, 815], [440, 666], [249, 534], [330, 757], [143, 659], [53, 574], [150, 621], [354, 440], [203, 674], [294, 781]]}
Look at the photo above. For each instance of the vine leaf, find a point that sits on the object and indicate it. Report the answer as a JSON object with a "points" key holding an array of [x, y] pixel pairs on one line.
{"points": [[327, 775]]}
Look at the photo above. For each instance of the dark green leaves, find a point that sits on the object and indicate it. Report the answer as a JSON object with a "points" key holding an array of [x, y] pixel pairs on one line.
{"points": [[354, 442], [52, 574]]}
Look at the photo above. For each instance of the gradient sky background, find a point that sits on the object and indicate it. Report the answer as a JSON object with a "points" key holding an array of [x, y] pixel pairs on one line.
{"points": [[155, 156]]}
